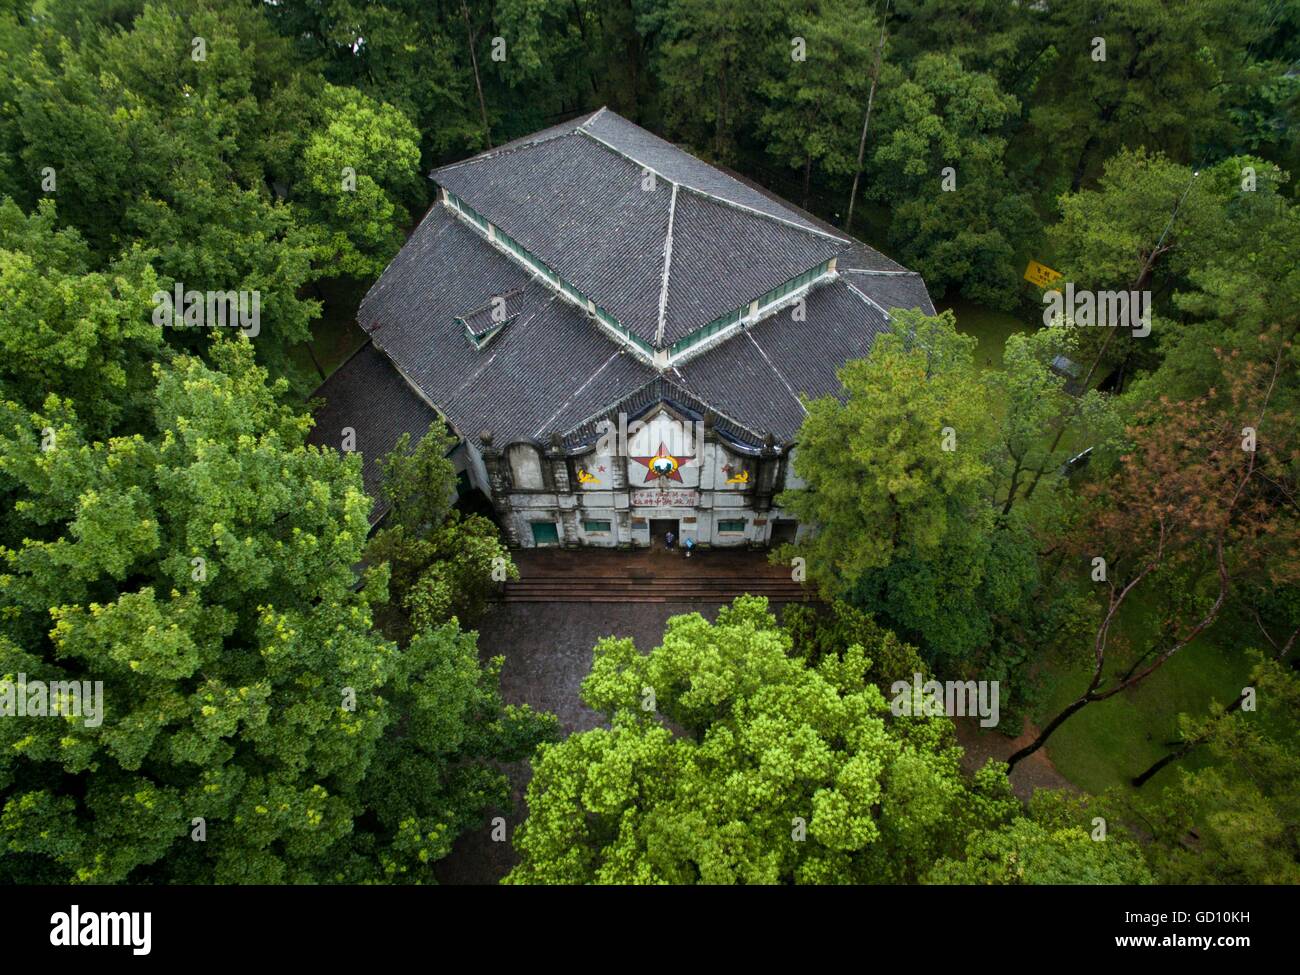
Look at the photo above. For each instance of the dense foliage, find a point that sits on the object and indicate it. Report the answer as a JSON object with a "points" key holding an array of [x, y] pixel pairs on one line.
{"points": [[168, 532], [730, 760]]}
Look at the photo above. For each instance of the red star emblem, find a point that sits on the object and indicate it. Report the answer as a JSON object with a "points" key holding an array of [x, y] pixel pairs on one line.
{"points": [[663, 464]]}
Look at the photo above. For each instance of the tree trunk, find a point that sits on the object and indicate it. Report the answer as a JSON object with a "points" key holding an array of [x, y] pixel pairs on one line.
{"points": [[473, 59], [1081, 167], [1015, 486], [1046, 733], [866, 124], [1181, 750]]}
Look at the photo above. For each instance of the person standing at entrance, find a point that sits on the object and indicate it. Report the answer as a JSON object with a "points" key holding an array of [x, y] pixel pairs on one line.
{"points": [[669, 540]]}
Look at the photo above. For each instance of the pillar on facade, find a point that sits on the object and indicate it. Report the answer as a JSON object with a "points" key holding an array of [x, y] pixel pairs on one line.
{"points": [[560, 480], [765, 478], [498, 475]]}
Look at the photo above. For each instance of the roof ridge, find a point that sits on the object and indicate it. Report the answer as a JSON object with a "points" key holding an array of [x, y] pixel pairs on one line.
{"points": [[524, 142], [595, 115], [619, 152], [574, 395], [673, 387], [779, 374], [723, 201], [867, 270], [704, 193], [870, 300], [723, 172], [758, 435], [668, 257]]}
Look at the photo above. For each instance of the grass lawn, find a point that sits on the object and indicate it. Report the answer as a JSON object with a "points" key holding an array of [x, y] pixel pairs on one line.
{"points": [[991, 328], [1110, 741], [335, 335]]}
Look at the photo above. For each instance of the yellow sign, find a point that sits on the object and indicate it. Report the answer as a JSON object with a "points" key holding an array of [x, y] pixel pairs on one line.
{"points": [[1041, 274]]}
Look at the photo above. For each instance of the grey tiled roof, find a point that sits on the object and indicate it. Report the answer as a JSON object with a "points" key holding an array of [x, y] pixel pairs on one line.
{"points": [[759, 376], [367, 394], [893, 289], [582, 210], [443, 270], [580, 204], [681, 167], [555, 369], [643, 399], [552, 358], [723, 258], [863, 258]]}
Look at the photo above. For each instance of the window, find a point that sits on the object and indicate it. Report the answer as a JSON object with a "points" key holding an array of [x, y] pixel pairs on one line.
{"points": [[732, 526], [545, 533], [595, 527]]}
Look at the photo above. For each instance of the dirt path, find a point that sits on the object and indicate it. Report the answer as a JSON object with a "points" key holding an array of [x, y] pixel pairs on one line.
{"points": [[1035, 772]]}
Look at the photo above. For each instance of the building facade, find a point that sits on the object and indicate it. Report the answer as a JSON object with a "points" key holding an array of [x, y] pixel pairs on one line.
{"points": [[620, 335]]}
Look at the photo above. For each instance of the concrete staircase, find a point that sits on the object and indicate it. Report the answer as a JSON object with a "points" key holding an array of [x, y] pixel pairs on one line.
{"points": [[648, 577], [598, 589]]}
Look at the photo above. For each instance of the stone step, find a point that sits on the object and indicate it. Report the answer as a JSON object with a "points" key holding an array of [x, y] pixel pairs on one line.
{"points": [[561, 584], [651, 590], [709, 597]]}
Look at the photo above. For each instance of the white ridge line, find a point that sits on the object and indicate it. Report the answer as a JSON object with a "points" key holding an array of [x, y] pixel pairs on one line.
{"points": [[577, 392], [779, 375], [869, 300], [668, 257], [710, 196]]}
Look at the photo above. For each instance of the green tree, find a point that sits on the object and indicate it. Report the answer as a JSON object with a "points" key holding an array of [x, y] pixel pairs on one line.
{"points": [[205, 575], [781, 771], [1002, 39], [939, 164], [1230, 819], [203, 135], [710, 59], [1049, 847], [1037, 400], [900, 487], [444, 564], [154, 145], [1237, 278], [815, 101], [1161, 84], [357, 170], [70, 331]]}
